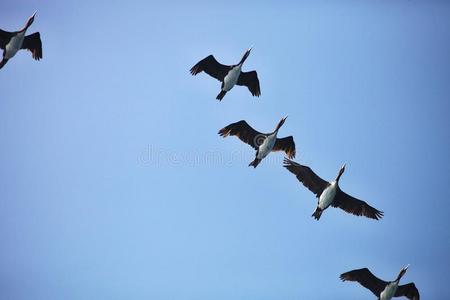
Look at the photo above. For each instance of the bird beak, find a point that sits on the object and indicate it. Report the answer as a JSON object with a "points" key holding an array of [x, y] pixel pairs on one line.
{"points": [[343, 166], [250, 49], [34, 14], [406, 268], [284, 119]]}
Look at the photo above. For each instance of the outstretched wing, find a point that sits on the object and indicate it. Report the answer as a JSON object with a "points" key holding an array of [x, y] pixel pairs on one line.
{"points": [[408, 290], [285, 144], [355, 206], [366, 279], [244, 132], [212, 67], [251, 81], [306, 176], [5, 36], [33, 44]]}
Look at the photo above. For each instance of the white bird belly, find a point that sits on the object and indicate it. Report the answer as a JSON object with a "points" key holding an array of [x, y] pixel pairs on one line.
{"points": [[14, 45], [231, 78], [267, 146], [327, 196], [389, 291]]}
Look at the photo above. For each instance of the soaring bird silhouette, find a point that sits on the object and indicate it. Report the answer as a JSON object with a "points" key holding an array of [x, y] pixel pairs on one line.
{"points": [[229, 75], [263, 143], [329, 193], [384, 290], [12, 42]]}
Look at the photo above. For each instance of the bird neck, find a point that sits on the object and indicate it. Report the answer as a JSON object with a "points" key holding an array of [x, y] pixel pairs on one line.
{"points": [[24, 28], [279, 126], [243, 59], [274, 133], [400, 275]]}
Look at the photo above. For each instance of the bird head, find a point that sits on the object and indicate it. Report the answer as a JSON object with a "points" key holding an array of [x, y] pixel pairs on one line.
{"points": [[402, 272], [341, 171], [246, 54], [280, 123], [30, 20]]}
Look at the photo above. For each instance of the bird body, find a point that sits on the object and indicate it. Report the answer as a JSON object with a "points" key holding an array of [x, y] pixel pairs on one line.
{"points": [[231, 78], [267, 145], [229, 75], [14, 45], [327, 196], [389, 291]]}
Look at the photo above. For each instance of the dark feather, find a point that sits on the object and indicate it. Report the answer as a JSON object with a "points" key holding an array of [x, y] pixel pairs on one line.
{"points": [[251, 81], [285, 144], [366, 279], [244, 132], [212, 67], [408, 290], [3, 62], [33, 44], [5, 37], [355, 206], [306, 176]]}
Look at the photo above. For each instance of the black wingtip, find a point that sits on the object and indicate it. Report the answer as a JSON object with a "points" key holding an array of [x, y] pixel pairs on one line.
{"points": [[223, 132], [378, 215], [287, 162], [193, 71]]}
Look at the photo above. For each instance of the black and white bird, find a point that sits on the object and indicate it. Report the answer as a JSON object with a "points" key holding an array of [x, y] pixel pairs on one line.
{"points": [[263, 143], [12, 42], [329, 193], [229, 75], [384, 290]]}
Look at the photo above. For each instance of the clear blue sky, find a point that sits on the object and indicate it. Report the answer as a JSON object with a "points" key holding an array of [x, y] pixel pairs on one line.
{"points": [[115, 185]]}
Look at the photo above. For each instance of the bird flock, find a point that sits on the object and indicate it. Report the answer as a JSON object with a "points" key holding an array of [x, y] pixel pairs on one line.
{"points": [[328, 193]]}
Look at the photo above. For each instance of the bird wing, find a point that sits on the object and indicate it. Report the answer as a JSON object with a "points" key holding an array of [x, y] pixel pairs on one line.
{"points": [[355, 206], [306, 176], [33, 44], [251, 81], [366, 279], [212, 67], [5, 36], [408, 290], [245, 133], [285, 144]]}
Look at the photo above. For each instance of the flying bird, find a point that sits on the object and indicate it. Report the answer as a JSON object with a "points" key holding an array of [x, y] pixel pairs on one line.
{"points": [[382, 289], [329, 193], [263, 143], [12, 42], [229, 75]]}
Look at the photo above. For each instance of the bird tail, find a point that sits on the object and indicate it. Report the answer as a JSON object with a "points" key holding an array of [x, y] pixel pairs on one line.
{"points": [[221, 95], [3, 62], [255, 163], [317, 213]]}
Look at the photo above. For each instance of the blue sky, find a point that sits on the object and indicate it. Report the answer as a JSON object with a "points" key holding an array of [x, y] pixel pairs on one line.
{"points": [[115, 185]]}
